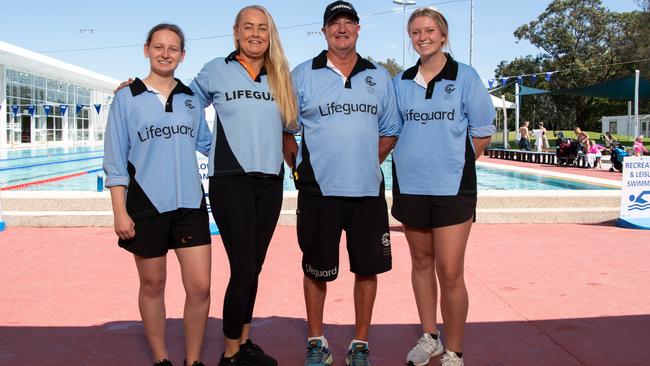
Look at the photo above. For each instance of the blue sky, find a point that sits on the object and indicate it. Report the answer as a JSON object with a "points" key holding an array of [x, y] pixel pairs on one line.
{"points": [[64, 25]]}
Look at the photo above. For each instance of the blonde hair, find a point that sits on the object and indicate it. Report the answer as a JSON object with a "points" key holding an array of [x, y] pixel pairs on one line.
{"points": [[277, 69], [437, 17]]}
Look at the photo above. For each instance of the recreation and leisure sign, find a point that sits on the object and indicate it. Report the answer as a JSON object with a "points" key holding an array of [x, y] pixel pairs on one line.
{"points": [[635, 193]]}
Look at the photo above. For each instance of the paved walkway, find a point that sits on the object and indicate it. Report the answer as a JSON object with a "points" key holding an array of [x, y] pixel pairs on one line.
{"points": [[540, 295], [602, 173]]}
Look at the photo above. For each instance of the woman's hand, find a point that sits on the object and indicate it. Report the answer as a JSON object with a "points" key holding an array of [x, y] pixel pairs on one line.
{"points": [[124, 226]]}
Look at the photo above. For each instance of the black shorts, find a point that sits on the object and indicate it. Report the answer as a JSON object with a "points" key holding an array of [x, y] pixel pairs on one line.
{"points": [[432, 211], [320, 221], [181, 228]]}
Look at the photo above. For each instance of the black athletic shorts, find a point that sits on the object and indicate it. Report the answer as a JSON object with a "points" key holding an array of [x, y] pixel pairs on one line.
{"points": [[181, 228], [432, 211], [320, 221]]}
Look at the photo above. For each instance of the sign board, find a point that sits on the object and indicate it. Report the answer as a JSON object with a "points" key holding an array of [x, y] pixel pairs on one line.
{"points": [[203, 173], [635, 193]]}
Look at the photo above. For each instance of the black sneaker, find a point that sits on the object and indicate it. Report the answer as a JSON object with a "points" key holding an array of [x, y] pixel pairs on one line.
{"points": [[195, 363], [254, 354], [232, 361], [163, 362]]}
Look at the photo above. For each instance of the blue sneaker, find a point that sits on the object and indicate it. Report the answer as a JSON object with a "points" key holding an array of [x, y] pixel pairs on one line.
{"points": [[317, 355], [357, 355]]}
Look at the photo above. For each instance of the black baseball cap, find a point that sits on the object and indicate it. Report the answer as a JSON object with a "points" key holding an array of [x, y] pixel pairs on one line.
{"points": [[339, 7]]}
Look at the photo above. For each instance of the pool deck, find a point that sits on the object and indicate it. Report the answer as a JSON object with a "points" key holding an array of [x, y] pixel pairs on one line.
{"points": [[540, 294]]}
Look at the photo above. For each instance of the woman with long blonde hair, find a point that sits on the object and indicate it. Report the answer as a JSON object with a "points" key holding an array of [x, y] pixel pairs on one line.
{"points": [[252, 95]]}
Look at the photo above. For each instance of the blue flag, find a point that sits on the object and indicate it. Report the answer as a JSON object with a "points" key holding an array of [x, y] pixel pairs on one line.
{"points": [[64, 107], [520, 79], [490, 83], [31, 109], [548, 76], [15, 108], [533, 79], [98, 107], [47, 109], [504, 81], [79, 108]]}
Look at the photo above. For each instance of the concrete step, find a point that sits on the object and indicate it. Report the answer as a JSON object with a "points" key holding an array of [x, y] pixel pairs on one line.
{"points": [[70, 209]]}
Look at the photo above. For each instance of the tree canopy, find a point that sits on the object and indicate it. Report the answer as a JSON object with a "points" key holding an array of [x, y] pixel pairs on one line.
{"points": [[586, 43]]}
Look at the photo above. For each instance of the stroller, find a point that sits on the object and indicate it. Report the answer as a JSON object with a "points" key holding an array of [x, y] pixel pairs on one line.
{"points": [[618, 153], [566, 150]]}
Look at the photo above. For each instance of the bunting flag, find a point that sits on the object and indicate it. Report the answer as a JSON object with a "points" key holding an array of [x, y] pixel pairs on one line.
{"points": [[98, 107], [504, 81], [79, 108], [491, 83], [533, 79], [31, 109], [520, 80], [63, 107], [47, 109], [548, 76], [15, 109]]}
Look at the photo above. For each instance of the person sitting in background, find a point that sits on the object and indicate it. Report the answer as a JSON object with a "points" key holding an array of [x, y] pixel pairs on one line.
{"points": [[608, 139], [594, 154], [637, 148]]}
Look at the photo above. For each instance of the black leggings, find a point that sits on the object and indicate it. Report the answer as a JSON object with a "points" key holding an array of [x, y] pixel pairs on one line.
{"points": [[246, 210]]}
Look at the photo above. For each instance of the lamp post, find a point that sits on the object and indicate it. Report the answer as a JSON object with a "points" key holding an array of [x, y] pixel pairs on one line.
{"points": [[404, 3]]}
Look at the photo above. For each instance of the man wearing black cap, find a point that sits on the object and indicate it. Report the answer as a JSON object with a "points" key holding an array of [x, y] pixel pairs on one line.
{"points": [[349, 123]]}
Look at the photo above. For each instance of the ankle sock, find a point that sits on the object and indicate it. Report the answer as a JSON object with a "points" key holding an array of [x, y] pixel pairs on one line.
{"points": [[357, 341], [320, 338]]}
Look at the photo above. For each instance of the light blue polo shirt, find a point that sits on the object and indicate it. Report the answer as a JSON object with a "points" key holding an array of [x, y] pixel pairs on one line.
{"points": [[150, 148], [434, 154], [341, 120], [247, 133]]}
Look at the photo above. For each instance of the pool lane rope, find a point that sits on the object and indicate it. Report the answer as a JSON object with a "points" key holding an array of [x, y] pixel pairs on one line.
{"points": [[2, 222], [48, 180], [47, 163]]}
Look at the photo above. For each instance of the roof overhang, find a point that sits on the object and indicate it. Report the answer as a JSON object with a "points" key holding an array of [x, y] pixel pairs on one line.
{"points": [[24, 60]]}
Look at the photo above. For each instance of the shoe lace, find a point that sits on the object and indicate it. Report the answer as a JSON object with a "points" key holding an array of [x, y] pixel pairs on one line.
{"points": [[450, 359], [426, 343], [359, 357], [314, 353]]}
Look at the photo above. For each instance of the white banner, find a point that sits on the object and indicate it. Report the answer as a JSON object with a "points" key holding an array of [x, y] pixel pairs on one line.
{"points": [[203, 173], [635, 193]]}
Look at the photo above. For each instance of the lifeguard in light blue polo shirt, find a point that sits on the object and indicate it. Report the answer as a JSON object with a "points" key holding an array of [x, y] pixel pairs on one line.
{"points": [[349, 123], [447, 117]]}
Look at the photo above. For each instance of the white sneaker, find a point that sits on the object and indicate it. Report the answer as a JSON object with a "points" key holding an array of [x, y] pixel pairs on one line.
{"points": [[451, 359], [426, 348]]}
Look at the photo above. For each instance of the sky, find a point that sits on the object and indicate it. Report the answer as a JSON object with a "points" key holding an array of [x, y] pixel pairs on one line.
{"points": [[107, 37]]}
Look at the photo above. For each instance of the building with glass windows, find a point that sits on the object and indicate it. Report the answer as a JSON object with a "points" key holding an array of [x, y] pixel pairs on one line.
{"points": [[47, 102]]}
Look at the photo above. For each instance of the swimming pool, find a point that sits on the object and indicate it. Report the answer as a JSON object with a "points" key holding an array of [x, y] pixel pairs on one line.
{"points": [[57, 167]]}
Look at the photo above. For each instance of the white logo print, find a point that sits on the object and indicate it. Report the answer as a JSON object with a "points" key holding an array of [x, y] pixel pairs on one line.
{"points": [[385, 240]]}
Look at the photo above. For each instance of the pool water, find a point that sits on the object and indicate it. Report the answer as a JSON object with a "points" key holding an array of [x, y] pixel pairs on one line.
{"points": [[24, 166]]}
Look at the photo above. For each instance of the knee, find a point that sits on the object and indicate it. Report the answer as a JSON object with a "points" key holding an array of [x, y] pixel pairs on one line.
{"points": [[152, 286], [421, 262], [450, 277], [198, 291]]}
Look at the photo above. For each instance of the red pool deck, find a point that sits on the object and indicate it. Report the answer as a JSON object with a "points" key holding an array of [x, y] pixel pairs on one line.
{"points": [[539, 295]]}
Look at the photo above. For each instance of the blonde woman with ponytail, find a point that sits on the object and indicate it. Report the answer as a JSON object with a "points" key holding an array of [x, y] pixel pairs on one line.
{"points": [[251, 92]]}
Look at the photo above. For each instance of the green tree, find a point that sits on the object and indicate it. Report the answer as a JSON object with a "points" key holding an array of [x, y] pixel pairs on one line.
{"points": [[390, 64], [587, 43]]}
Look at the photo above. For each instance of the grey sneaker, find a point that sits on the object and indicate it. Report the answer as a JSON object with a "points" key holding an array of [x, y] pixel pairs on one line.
{"points": [[450, 358], [317, 355], [357, 355], [426, 348]]}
